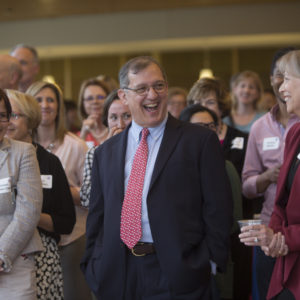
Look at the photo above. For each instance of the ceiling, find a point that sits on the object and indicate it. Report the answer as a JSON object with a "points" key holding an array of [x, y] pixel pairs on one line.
{"points": [[12, 10]]}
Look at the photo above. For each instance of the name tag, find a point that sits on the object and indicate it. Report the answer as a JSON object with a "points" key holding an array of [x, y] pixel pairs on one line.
{"points": [[298, 156], [5, 185], [271, 143], [46, 181], [237, 143]]}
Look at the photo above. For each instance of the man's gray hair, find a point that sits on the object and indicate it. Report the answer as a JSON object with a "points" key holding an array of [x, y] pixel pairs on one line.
{"points": [[135, 65], [30, 48]]}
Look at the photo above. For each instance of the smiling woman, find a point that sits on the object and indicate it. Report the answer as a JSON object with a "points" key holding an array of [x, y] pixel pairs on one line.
{"points": [[92, 95], [58, 213], [291, 85], [70, 149], [116, 116], [20, 208], [246, 93], [281, 238]]}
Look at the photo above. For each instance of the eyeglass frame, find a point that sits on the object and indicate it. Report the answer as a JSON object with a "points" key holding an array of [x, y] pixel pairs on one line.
{"points": [[208, 125], [147, 88], [16, 116], [91, 98]]}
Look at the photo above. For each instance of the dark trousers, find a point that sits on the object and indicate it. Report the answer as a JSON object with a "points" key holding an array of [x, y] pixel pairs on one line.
{"points": [[146, 281], [264, 269], [285, 295]]}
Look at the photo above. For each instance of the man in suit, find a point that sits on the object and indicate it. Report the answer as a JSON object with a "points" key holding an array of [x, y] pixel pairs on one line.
{"points": [[184, 215]]}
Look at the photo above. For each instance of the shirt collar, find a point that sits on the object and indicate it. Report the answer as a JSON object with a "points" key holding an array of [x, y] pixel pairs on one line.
{"points": [[274, 111], [154, 132]]}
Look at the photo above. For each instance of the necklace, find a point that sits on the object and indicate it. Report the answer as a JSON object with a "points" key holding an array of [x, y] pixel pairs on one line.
{"points": [[220, 129], [50, 147], [99, 136]]}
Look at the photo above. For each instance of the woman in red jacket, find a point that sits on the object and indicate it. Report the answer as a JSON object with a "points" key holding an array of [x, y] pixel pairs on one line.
{"points": [[282, 238]]}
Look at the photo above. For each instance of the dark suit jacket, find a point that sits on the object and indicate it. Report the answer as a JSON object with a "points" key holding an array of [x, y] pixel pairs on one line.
{"points": [[286, 272], [189, 208]]}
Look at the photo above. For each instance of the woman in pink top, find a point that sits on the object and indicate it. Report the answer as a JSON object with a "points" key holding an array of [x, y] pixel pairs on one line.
{"points": [[71, 150]]}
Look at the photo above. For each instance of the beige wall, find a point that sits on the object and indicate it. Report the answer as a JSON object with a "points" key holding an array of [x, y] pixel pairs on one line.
{"points": [[238, 37]]}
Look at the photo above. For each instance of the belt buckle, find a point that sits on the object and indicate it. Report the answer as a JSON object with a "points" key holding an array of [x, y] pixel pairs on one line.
{"points": [[135, 254]]}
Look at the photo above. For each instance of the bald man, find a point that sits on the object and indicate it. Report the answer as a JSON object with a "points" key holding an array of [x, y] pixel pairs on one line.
{"points": [[29, 60], [10, 72]]}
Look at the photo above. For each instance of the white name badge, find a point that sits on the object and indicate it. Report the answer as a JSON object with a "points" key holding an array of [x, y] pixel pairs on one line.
{"points": [[298, 156], [5, 185], [237, 143], [46, 181], [271, 143]]}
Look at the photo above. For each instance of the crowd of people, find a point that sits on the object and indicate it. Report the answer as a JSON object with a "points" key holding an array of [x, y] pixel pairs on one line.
{"points": [[136, 192]]}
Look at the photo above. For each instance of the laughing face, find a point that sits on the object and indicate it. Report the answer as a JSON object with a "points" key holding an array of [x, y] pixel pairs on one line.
{"points": [[149, 109], [291, 93]]}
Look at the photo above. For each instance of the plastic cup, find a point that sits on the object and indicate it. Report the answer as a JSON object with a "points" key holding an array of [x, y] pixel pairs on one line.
{"points": [[243, 223]]}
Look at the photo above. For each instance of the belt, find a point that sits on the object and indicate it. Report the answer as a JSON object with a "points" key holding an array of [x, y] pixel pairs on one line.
{"points": [[142, 249]]}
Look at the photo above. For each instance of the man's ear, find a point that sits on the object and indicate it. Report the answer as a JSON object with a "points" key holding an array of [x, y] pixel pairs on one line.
{"points": [[15, 77], [122, 96], [37, 69]]}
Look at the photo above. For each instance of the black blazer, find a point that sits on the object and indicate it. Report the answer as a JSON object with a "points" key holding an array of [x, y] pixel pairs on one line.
{"points": [[57, 201], [236, 156], [189, 207]]}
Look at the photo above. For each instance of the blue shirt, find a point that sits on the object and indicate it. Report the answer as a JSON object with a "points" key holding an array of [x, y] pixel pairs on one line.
{"points": [[244, 128], [154, 140]]}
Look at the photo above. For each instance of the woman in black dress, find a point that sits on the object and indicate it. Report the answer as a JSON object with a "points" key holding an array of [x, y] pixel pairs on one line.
{"points": [[58, 213]]}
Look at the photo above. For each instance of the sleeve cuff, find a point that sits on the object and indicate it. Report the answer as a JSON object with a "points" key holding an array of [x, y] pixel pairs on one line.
{"points": [[6, 261]]}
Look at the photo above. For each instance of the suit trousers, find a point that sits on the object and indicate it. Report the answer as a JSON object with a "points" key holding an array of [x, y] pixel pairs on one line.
{"points": [[285, 295], [20, 282], [146, 281]]}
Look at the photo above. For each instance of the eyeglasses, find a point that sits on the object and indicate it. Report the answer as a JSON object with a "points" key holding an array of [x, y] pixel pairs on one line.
{"points": [[16, 116], [97, 97], [3, 117], [210, 125], [159, 87]]}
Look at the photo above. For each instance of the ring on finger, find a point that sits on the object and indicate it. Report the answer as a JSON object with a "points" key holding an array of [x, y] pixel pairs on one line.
{"points": [[256, 239]]}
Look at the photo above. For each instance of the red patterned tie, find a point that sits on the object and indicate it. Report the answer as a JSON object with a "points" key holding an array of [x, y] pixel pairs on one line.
{"points": [[131, 228]]}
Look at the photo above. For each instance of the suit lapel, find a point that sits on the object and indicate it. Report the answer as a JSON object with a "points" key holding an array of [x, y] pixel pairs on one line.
{"points": [[119, 162], [286, 167], [168, 143]]}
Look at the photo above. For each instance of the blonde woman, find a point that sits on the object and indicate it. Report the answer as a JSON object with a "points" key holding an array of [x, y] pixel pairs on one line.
{"points": [[280, 238], [71, 150], [58, 212], [20, 209], [246, 93]]}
